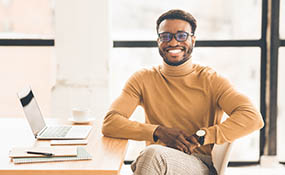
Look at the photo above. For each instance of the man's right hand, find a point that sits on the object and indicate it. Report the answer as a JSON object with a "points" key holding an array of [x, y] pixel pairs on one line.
{"points": [[175, 138]]}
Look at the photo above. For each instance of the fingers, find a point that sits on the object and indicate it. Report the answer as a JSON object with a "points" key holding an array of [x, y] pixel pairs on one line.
{"points": [[179, 147], [176, 138], [185, 144], [194, 140]]}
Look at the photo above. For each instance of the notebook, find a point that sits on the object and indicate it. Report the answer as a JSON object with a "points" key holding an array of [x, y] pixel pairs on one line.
{"points": [[68, 142], [56, 151], [82, 154], [38, 125]]}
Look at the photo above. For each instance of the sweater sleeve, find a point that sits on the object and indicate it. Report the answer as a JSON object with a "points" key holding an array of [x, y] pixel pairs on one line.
{"points": [[116, 122], [243, 117]]}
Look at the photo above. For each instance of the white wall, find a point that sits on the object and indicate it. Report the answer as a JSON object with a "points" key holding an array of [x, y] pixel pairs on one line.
{"points": [[83, 45]]}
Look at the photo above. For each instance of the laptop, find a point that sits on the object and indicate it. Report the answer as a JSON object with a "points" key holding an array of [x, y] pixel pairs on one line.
{"points": [[38, 124]]}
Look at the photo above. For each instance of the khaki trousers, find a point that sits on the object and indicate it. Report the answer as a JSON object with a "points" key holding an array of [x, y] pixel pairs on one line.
{"points": [[162, 160]]}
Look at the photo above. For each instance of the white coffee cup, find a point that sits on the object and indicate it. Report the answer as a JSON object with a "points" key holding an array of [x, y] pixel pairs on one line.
{"points": [[80, 114]]}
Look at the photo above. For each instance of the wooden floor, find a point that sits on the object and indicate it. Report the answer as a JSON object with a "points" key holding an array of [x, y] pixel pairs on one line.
{"points": [[245, 170]]}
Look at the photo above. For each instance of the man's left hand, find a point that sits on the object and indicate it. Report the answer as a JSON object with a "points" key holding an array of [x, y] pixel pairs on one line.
{"points": [[194, 140]]}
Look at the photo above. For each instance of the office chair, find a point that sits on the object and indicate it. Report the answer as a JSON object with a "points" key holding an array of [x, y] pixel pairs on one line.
{"points": [[220, 157]]}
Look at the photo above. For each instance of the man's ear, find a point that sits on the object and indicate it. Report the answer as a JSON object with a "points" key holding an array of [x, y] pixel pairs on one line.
{"points": [[193, 40], [158, 41]]}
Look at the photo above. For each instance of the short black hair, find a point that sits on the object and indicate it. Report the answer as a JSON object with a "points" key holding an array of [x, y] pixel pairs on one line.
{"points": [[178, 14]]}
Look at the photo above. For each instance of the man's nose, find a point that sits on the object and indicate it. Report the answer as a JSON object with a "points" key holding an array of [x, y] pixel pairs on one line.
{"points": [[173, 42]]}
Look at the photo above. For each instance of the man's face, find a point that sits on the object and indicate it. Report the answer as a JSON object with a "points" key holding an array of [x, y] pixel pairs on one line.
{"points": [[174, 52]]}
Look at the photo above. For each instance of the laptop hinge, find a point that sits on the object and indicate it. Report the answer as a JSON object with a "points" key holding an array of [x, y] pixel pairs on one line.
{"points": [[40, 132]]}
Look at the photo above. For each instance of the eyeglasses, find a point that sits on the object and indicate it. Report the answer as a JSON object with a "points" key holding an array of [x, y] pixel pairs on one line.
{"points": [[179, 36]]}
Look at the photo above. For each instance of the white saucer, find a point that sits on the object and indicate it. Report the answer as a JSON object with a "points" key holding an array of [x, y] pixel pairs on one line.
{"points": [[85, 121]]}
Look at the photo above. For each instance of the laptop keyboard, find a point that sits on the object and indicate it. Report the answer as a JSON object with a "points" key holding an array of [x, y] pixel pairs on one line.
{"points": [[56, 131]]}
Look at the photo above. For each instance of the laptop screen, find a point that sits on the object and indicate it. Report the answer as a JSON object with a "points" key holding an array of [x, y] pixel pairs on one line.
{"points": [[31, 110]]}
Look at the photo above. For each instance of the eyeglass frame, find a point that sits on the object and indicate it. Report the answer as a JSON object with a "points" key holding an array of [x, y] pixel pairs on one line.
{"points": [[174, 35]]}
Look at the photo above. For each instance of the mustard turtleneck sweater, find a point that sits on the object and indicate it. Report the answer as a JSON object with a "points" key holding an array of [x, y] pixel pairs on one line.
{"points": [[189, 97]]}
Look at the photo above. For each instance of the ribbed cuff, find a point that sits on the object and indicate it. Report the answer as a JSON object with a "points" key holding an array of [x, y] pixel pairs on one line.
{"points": [[147, 132], [154, 138], [210, 137]]}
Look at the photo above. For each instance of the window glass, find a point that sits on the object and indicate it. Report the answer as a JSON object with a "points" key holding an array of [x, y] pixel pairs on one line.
{"points": [[26, 19], [281, 106], [25, 66], [240, 65], [282, 19], [219, 19]]}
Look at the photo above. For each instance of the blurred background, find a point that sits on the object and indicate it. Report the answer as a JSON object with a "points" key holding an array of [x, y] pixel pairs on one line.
{"points": [[66, 51]]}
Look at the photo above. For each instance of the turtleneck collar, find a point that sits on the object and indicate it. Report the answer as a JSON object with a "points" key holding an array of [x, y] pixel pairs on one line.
{"points": [[177, 71]]}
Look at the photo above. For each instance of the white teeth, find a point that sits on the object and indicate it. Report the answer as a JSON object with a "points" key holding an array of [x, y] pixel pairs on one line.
{"points": [[174, 51]]}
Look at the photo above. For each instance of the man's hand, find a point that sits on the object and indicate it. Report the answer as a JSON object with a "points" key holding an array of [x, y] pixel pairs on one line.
{"points": [[176, 138]]}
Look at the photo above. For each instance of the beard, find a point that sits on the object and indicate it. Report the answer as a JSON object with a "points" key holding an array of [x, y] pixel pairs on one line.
{"points": [[186, 56]]}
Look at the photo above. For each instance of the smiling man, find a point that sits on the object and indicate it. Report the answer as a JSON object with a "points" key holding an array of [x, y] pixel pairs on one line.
{"points": [[183, 103], [173, 53]]}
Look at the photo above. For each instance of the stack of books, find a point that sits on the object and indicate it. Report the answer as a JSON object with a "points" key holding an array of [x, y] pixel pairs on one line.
{"points": [[48, 154]]}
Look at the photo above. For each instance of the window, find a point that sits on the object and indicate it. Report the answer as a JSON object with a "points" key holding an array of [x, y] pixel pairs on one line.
{"points": [[23, 62], [282, 18], [37, 22], [25, 66], [222, 19], [281, 106]]}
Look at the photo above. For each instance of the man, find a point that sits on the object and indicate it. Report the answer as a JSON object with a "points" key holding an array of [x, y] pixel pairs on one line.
{"points": [[183, 104]]}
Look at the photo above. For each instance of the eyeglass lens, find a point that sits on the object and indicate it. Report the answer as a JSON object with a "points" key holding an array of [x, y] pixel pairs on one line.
{"points": [[179, 36]]}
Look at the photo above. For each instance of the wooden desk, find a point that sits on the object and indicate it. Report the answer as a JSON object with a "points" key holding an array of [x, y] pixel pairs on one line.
{"points": [[108, 153]]}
